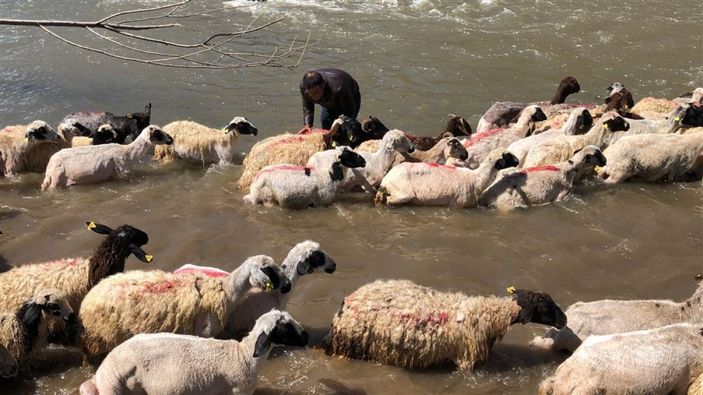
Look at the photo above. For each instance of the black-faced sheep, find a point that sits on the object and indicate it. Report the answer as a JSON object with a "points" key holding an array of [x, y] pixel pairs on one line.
{"points": [[27, 148], [105, 134], [127, 126], [203, 145], [533, 186], [300, 187], [457, 126], [659, 361], [400, 323], [134, 302], [193, 365], [97, 163], [440, 185], [296, 149]]}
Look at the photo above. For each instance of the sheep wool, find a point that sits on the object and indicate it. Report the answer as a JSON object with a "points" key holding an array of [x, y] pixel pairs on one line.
{"points": [[27, 148], [654, 108]]}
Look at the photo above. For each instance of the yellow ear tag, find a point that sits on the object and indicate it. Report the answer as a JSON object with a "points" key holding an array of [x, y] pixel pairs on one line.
{"points": [[149, 258], [597, 169], [677, 118], [511, 290], [91, 225], [26, 138], [334, 144], [268, 287], [605, 126]]}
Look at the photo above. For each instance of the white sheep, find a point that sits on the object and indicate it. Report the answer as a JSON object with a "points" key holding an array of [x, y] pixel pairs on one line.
{"points": [[377, 163], [561, 148], [398, 322], [654, 157], [27, 148], [134, 302], [480, 144], [300, 187], [164, 363], [658, 361], [605, 317], [24, 331], [96, 163], [533, 186], [203, 145], [440, 185]]}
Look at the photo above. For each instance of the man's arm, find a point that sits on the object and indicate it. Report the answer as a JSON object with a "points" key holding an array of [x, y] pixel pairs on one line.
{"points": [[308, 110]]}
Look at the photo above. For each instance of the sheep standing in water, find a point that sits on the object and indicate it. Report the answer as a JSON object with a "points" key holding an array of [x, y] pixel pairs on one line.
{"points": [[397, 322], [80, 136], [27, 148], [457, 126], [127, 127], [203, 145], [164, 363], [96, 163]]}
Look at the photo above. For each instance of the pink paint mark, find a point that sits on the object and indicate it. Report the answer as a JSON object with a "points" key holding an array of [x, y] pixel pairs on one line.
{"points": [[306, 131], [206, 270], [160, 287], [64, 262], [480, 136], [435, 165], [540, 168]]}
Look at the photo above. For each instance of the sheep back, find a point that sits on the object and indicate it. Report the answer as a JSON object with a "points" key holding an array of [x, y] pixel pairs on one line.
{"points": [[196, 143], [400, 323], [32, 160], [294, 149], [654, 108]]}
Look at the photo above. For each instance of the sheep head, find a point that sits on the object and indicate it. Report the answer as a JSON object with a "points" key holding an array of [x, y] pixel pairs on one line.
{"points": [[306, 258], [53, 302], [40, 131], [396, 140], [347, 131], [456, 126], [277, 327], [110, 255], [614, 88], [263, 273], [501, 160], [615, 123], [537, 307], [566, 87], [242, 126], [104, 135], [374, 127], [158, 136], [454, 149]]}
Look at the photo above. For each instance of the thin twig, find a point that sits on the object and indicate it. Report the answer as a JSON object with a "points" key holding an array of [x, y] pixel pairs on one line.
{"points": [[144, 10], [239, 33]]}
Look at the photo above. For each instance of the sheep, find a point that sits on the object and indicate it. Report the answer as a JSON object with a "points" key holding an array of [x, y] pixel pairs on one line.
{"points": [[8, 366], [480, 144], [433, 184], [502, 114], [203, 145], [136, 301], [543, 184], [561, 148], [24, 331], [619, 98], [661, 361], [304, 258], [193, 365], [299, 187], [579, 120], [606, 317], [696, 388], [654, 157], [105, 134], [27, 148], [127, 126], [456, 126], [93, 164], [398, 322], [377, 163], [659, 108], [296, 149]]}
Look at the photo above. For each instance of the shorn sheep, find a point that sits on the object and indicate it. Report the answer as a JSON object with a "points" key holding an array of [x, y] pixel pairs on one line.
{"points": [[654, 157], [659, 361], [165, 363], [533, 186], [24, 331], [605, 317], [27, 148], [300, 187], [296, 149], [428, 184], [398, 322], [97, 163], [134, 302], [377, 163], [203, 145], [127, 126]]}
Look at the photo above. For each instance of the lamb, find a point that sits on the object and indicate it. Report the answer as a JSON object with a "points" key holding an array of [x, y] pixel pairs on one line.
{"points": [[398, 322], [456, 126], [543, 184], [193, 365], [27, 148], [92, 164], [299, 187], [433, 184], [561, 148], [480, 144], [296, 149], [606, 317], [661, 361], [25, 331], [127, 127], [203, 145], [579, 120], [654, 157], [377, 163], [136, 301]]}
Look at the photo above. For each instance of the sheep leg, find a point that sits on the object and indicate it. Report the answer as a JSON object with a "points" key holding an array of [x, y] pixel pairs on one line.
{"points": [[565, 339], [363, 181]]}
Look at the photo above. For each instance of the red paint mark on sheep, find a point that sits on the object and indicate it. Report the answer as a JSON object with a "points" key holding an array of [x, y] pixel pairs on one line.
{"points": [[435, 165], [480, 136], [306, 131], [195, 269], [161, 287], [540, 168], [417, 317], [64, 262]]}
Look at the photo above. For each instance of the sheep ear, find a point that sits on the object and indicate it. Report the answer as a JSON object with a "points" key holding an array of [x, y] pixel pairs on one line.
{"points": [[99, 228], [336, 172], [698, 277], [303, 267], [140, 254], [263, 342], [31, 315]]}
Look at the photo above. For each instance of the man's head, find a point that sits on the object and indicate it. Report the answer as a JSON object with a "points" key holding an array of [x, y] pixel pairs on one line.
{"points": [[314, 85]]}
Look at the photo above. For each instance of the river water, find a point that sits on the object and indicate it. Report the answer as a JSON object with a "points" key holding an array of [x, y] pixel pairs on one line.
{"points": [[416, 62]]}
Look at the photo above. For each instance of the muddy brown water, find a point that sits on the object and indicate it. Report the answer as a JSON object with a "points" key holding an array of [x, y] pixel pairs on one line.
{"points": [[416, 61]]}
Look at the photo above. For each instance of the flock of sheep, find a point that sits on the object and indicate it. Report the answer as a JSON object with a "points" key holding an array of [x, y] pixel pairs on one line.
{"points": [[214, 329]]}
